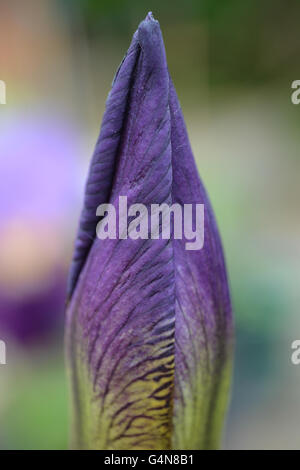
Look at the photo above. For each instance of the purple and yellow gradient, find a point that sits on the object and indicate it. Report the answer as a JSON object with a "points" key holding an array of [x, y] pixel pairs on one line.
{"points": [[149, 324]]}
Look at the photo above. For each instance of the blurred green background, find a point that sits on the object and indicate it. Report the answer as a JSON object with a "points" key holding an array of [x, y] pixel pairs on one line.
{"points": [[233, 63]]}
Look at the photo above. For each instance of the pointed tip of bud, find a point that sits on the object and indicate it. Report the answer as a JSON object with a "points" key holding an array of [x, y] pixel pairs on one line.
{"points": [[150, 16], [149, 21]]}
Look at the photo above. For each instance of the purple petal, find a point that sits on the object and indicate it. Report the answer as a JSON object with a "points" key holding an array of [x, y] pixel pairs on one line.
{"points": [[149, 323], [203, 309], [104, 161]]}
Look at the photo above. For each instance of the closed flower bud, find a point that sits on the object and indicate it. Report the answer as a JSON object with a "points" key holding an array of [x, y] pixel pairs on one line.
{"points": [[149, 325]]}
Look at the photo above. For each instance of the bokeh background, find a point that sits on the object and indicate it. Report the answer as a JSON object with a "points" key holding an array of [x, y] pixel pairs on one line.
{"points": [[233, 63]]}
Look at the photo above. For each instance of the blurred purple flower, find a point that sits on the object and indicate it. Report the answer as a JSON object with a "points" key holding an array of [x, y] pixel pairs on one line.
{"points": [[32, 318], [149, 324], [37, 195], [38, 170]]}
